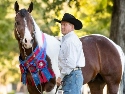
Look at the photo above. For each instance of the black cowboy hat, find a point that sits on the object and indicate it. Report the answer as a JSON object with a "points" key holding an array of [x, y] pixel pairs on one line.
{"points": [[71, 19]]}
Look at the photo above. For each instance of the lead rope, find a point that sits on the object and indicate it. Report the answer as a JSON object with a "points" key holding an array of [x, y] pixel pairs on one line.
{"points": [[25, 55], [57, 89], [40, 91]]}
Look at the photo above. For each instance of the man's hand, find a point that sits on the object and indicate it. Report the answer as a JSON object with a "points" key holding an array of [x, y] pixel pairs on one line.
{"points": [[58, 81]]}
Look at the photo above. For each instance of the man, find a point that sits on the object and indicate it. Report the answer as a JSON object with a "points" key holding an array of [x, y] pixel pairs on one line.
{"points": [[71, 56]]}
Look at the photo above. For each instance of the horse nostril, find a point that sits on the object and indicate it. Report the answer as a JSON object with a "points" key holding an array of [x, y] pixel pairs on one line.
{"points": [[25, 40]]}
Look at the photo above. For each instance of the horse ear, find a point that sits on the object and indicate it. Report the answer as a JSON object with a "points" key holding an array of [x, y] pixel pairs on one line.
{"points": [[30, 7], [16, 7]]}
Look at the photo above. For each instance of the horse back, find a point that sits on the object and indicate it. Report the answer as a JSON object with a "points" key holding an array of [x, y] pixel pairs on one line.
{"points": [[101, 57]]}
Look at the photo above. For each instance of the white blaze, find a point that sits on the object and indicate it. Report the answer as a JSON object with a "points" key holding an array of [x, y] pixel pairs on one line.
{"points": [[27, 37]]}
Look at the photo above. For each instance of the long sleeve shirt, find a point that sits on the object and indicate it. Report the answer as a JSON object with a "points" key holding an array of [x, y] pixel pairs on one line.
{"points": [[71, 54]]}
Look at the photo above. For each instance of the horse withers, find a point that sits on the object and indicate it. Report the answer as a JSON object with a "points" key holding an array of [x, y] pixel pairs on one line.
{"points": [[38, 53]]}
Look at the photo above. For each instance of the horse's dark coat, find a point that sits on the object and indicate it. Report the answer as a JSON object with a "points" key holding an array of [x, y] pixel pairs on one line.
{"points": [[103, 64]]}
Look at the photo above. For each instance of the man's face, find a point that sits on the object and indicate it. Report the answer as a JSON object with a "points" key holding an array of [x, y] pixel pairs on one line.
{"points": [[66, 27]]}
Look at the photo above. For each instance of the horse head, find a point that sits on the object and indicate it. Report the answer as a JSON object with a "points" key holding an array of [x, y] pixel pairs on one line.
{"points": [[24, 30]]}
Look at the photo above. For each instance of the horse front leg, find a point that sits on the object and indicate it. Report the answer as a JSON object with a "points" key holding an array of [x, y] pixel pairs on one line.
{"points": [[34, 89]]}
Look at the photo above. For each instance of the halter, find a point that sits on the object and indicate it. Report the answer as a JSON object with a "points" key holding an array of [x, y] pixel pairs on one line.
{"points": [[21, 39]]}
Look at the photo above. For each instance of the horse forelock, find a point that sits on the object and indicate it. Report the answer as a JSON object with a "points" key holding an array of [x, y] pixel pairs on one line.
{"points": [[38, 34], [23, 12]]}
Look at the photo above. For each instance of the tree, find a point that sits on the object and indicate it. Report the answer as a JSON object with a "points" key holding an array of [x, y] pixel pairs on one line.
{"points": [[117, 33]]}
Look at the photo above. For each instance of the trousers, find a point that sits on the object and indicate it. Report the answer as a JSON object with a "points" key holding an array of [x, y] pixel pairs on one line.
{"points": [[73, 82]]}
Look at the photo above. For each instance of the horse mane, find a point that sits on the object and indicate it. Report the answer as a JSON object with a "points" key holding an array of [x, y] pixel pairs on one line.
{"points": [[38, 34], [23, 12]]}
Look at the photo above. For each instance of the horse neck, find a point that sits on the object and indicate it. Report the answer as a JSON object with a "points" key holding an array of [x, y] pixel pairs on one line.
{"points": [[26, 52]]}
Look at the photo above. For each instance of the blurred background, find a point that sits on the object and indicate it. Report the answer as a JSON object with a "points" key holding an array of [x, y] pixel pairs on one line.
{"points": [[94, 14]]}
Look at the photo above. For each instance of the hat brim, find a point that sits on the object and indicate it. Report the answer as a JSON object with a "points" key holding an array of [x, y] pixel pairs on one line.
{"points": [[56, 20], [77, 24]]}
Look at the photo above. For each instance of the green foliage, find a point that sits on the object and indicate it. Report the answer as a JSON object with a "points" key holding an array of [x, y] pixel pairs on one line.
{"points": [[94, 14], [7, 45]]}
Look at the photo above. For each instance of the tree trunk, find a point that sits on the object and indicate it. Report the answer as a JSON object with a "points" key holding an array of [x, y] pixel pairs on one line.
{"points": [[117, 33]]}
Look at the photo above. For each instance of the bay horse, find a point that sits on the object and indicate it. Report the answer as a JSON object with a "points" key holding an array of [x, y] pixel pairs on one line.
{"points": [[38, 53], [103, 58], [104, 63]]}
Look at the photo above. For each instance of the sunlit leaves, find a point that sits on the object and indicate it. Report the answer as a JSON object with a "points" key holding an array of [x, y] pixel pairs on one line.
{"points": [[96, 17], [7, 44]]}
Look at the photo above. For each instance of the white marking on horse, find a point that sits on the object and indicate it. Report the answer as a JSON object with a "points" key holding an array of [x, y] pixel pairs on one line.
{"points": [[38, 34], [27, 37], [52, 50]]}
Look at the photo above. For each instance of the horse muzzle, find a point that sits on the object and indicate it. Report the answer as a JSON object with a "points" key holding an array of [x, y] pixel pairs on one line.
{"points": [[28, 43]]}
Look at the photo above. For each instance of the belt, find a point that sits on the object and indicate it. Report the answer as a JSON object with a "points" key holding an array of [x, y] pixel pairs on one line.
{"points": [[77, 68]]}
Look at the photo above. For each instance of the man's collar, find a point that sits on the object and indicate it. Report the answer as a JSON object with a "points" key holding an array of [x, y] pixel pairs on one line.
{"points": [[67, 35]]}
